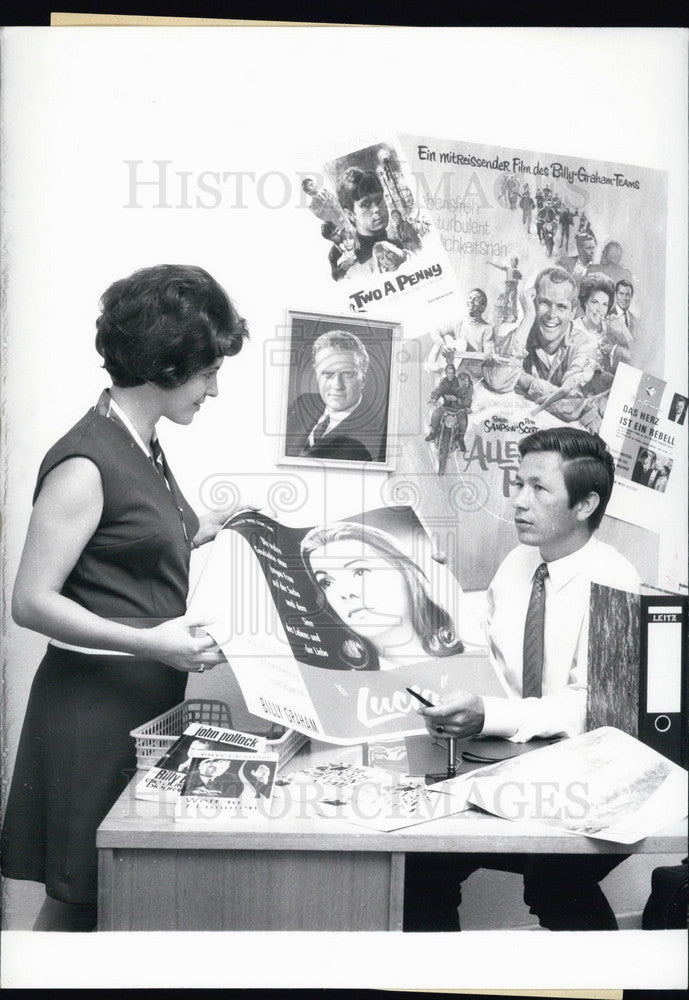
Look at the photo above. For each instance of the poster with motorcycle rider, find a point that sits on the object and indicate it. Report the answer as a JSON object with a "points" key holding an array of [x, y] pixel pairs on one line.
{"points": [[560, 264]]}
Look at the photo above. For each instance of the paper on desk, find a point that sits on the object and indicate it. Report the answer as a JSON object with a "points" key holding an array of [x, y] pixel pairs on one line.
{"points": [[367, 796], [603, 784]]}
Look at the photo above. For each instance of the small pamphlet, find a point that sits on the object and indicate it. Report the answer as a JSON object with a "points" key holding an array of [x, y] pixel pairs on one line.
{"points": [[227, 785], [165, 779]]}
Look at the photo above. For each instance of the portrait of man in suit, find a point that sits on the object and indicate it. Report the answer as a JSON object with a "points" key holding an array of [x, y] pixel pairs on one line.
{"points": [[345, 420]]}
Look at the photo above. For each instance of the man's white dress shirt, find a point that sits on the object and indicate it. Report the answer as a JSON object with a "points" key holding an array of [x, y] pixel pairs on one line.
{"points": [[562, 707]]}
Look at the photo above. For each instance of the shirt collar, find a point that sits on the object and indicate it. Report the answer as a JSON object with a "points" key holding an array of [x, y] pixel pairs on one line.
{"points": [[337, 416], [561, 571], [108, 407]]}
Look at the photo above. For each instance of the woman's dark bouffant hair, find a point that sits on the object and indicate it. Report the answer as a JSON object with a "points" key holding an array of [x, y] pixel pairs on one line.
{"points": [[163, 324], [596, 282]]}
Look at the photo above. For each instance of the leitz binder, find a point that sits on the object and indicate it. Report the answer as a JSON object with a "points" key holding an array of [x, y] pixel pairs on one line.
{"points": [[637, 667], [663, 676]]}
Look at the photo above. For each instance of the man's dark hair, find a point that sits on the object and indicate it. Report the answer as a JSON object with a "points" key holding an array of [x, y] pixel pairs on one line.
{"points": [[626, 283], [587, 464], [356, 184], [163, 324]]}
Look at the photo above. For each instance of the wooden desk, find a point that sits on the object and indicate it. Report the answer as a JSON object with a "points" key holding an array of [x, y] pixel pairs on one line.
{"points": [[300, 873]]}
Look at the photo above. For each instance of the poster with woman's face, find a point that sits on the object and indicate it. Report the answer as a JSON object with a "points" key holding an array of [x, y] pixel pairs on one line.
{"points": [[347, 616]]}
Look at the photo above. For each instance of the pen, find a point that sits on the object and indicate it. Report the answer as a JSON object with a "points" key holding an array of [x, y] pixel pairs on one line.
{"points": [[420, 697]]}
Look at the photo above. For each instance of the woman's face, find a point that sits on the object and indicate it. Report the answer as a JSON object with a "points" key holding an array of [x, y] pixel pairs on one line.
{"points": [[597, 307], [366, 591], [182, 403]]}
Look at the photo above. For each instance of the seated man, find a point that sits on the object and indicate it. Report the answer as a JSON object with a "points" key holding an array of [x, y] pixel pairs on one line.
{"points": [[537, 628]]}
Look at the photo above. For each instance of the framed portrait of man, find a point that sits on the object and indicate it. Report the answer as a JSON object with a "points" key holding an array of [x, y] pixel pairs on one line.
{"points": [[338, 398]]}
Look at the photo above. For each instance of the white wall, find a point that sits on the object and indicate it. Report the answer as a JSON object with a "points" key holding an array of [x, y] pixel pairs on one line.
{"points": [[77, 103]]}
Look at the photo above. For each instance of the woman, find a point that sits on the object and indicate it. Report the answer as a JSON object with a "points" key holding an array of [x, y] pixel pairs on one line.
{"points": [[104, 572], [380, 595], [606, 339]]}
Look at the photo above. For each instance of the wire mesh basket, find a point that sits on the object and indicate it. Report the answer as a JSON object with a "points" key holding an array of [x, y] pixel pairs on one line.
{"points": [[155, 737]]}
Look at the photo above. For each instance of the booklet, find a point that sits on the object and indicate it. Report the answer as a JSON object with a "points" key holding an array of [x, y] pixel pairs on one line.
{"points": [[227, 786], [326, 627], [165, 779]]}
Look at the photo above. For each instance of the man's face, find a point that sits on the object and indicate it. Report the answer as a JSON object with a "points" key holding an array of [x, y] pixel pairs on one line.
{"points": [[476, 303], [369, 214], [646, 461], [450, 371], [542, 514], [211, 768], [624, 297], [554, 310], [340, 378], [587, 249]]}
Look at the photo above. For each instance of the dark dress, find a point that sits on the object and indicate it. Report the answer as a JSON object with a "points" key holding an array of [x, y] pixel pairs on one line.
{"points": [[75, 753]]}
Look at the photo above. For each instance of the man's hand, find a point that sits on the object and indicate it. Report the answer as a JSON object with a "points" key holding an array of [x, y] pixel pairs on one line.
{"points": [[460, 714]]}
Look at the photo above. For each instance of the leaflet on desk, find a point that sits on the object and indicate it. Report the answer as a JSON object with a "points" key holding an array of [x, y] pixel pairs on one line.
{"points": [[165, 779], [227, 786], [603, 784], [298, 663], [488, 204]]}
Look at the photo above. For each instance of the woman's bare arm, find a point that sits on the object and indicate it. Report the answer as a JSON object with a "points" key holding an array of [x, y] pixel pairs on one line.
{"points": [[66, 514]]}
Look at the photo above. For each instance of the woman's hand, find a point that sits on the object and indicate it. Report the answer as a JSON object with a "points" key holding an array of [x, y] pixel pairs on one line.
{"points": [[210, 524], [174, 643], [460, 714]]}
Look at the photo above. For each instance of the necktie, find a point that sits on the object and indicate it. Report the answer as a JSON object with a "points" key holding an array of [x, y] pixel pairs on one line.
{"points": [[320, 428], [626, 319], [532, 669]]}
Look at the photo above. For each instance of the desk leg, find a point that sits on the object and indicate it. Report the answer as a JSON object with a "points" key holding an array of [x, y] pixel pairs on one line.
{"points": [[105, 890], [396, 891]]}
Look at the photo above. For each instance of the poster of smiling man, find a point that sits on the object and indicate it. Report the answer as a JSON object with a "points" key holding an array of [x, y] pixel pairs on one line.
{"points": [[560, 264]]}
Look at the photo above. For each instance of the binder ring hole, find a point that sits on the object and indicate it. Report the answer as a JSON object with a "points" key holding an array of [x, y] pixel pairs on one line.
{"points": [[662, 723]]}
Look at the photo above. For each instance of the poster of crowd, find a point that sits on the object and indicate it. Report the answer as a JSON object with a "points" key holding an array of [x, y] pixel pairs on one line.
{"points": [[561, 286], [327, 628]]}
